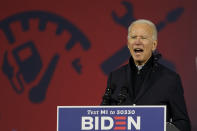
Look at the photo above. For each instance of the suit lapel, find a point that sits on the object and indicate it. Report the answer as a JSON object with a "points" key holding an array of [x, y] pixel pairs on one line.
{"points": [[129, 83]]}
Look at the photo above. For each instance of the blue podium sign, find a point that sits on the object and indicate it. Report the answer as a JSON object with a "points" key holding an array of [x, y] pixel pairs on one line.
{"points": [[111, 118]]}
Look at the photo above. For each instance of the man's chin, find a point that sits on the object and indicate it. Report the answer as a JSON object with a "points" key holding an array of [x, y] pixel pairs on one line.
{"points": [[138, 61]]}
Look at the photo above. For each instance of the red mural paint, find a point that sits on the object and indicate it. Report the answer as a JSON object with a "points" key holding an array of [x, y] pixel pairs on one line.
{"points": [[60, 53]]}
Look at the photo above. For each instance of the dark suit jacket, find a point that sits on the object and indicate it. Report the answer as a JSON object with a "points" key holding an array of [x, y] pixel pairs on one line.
{"points": [[160, 87]]}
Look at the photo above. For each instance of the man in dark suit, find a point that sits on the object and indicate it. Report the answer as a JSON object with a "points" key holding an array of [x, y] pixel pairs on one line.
{"points": [[143, 81]]}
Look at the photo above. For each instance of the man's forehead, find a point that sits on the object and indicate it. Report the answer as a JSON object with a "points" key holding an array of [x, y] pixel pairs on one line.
{"points": [[141, 28]]}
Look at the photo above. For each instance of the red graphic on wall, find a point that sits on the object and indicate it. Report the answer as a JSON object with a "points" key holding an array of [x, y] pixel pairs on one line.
{"points": [[55, 53]]}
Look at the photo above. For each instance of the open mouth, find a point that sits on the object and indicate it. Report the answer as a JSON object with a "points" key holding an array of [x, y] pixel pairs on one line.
{"points": [[138, 50]]}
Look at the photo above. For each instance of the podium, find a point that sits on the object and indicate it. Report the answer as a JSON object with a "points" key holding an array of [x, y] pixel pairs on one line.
{"points": [[112, 118]]}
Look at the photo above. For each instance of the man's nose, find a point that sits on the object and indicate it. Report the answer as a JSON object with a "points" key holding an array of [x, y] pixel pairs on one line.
{"points": [[138, 40]]}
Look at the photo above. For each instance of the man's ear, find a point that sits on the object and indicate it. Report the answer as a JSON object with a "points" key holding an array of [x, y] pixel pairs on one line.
{"points": [[128, 46], [154, 45]]}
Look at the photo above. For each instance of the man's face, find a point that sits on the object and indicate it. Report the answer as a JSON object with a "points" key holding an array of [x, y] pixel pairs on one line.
{"points": [[141, 43]]}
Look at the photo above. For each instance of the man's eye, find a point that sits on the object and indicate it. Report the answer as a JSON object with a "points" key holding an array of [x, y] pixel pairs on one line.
{"points": [[133, 37], [143, 37]]}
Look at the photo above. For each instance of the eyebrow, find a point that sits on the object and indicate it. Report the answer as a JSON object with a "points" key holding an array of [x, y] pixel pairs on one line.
{"points": [[139, 36]]}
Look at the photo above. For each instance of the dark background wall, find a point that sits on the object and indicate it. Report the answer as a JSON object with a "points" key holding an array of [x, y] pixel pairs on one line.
{"points": [[59, 52]]}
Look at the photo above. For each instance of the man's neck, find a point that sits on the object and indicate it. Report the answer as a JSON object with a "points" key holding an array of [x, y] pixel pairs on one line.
{"points": [[141, 63]]}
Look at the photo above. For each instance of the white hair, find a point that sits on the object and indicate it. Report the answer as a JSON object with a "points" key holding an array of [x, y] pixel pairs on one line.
{"points": [[144, 21]]}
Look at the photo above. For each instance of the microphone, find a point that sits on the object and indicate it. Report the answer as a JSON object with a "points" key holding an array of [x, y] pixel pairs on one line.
{"points": [[171, 127], [107, 97], [123, 95]]}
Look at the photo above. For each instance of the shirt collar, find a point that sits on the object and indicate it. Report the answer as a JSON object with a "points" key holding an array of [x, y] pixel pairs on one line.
{"points": [[147, 65]]}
